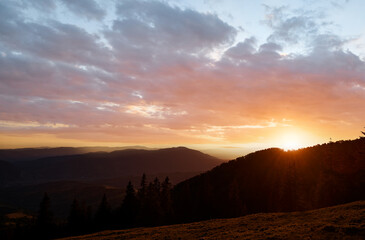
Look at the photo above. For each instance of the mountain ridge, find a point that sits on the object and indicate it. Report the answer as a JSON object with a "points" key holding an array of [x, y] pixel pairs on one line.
{"points": [[274, 180]]}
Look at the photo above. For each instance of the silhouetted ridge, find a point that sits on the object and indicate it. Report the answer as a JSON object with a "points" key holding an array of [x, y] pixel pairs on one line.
{"points": [[274, 180]]}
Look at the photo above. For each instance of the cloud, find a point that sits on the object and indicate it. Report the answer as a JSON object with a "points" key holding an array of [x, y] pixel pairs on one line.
{"points": [[149, 76], [242, 49], [152, 22], [10, 124], [55, 42], [42, 5], [89, 9], [339, 3], [293, 27]]}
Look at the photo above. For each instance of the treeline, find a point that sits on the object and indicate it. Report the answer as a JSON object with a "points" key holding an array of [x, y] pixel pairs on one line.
{"points": [[148, 205]]}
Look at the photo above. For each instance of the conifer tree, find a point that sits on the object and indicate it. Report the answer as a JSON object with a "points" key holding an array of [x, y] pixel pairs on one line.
{"points": [[45, 223], [77, 217], [143, 188], [153, 211], [156, 186], [45, 216], [166, 201], [129, 208], [103, 214], [142, 201]]}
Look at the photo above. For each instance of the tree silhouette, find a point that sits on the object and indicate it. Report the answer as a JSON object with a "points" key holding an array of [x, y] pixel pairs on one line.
{"points": [[166, 201], [143, 188], [45, 216], [103, 214], [142, 200], [77, 219], [153, 211], [129, 208], [45, 222]]}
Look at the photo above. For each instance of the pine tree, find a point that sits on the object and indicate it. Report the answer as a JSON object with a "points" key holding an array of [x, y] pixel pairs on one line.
{"points": [[156, 186], [143, 188], [45, 216], [77, 217], [142, 201], [129, 208], [103, 214], [45, 223], [153, 211], [166, 201]]}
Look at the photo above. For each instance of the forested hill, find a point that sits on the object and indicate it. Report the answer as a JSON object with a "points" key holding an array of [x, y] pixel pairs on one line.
{"points": [[274, 180]]}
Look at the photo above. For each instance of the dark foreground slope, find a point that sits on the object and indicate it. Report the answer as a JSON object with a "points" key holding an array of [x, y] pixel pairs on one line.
{"points": [[339, 222], [273, 180]]}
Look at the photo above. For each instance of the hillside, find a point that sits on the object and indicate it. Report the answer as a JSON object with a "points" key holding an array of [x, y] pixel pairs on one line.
{"points": [[339, 222], [274, 180], [99, 165]]}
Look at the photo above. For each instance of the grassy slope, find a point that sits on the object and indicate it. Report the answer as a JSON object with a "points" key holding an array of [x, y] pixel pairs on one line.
{"points": [[340, 222]]}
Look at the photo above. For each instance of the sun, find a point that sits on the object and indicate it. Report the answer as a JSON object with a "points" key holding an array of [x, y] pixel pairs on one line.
{"points": [[290, 141]]}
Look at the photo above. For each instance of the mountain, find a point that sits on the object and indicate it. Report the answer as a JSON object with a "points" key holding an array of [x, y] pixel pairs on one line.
{"points": [[27, 154], [100, 165], [339, 222], [274, 180]]}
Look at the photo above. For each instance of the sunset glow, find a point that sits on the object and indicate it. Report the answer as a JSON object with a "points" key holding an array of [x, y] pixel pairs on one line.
{"points": [[227, 77], [291, 142]]}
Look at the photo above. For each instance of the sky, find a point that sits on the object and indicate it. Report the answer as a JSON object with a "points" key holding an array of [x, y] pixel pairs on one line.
{"points": [[224, 77]]}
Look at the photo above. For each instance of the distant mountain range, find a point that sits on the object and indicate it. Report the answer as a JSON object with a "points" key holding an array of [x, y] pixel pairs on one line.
{"points": [[26, 154], [66, 173], [100, 165]]}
